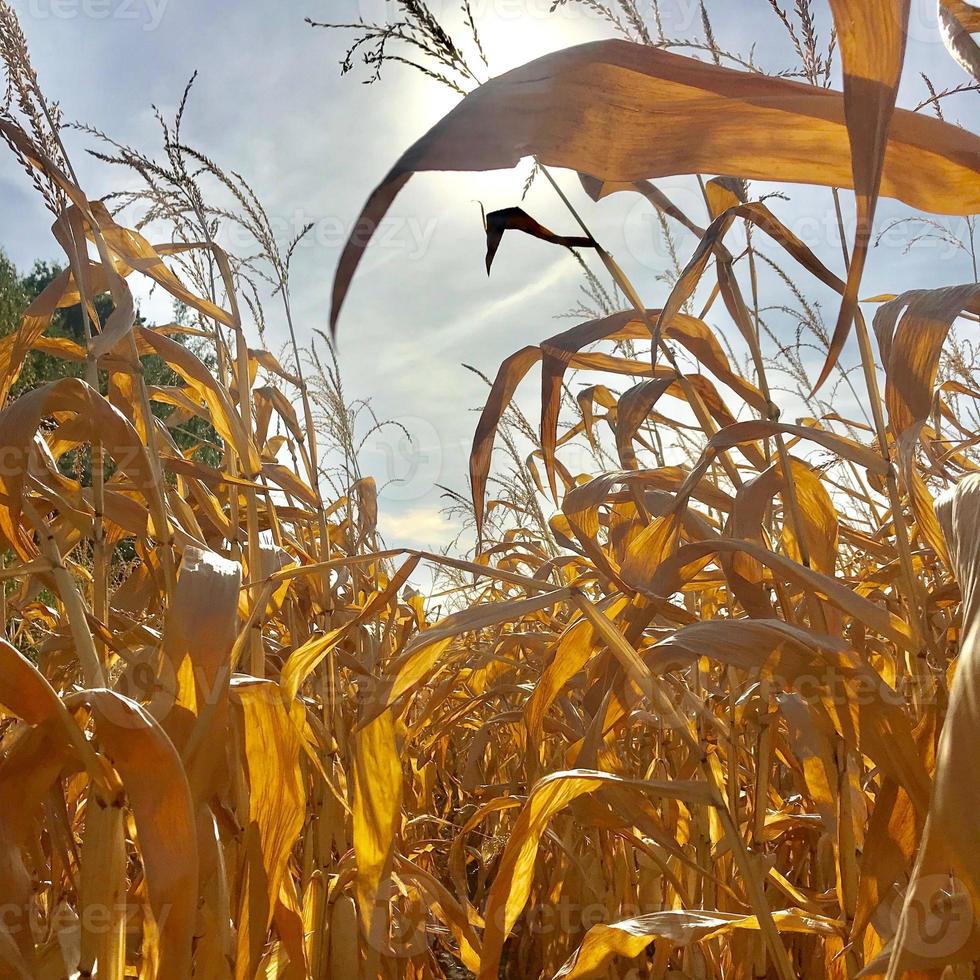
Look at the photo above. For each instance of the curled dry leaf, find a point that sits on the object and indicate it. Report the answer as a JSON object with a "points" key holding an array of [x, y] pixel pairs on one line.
{"points": [[517, 219]]}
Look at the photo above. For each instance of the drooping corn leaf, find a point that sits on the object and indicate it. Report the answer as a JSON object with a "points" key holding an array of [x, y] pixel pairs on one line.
{"points": [[623, 112]]}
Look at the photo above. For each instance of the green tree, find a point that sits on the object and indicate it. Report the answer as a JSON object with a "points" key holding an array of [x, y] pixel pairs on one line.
{"points": [[17, 292]]}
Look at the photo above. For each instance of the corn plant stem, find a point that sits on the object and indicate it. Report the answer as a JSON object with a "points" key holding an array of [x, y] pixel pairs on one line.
{"points": [[793, 510], [251, 502], [229, 461], [162, 518], [243, 386], [71, 598], [752, 332], [848, 872], [112, 948], [636, 671], [754, 282], [100, 583], [762, 773], [919, 665], [237, 370], [102, 890], [755, 886], [159, 482], [732, 744], [792, 501], [863, 491], [226, 369], [324, 549]]}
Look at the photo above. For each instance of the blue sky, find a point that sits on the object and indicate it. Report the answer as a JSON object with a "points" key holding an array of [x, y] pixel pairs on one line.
{"points": [[271, 104]]}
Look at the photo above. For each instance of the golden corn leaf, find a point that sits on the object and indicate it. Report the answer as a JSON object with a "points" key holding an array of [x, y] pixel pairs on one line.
{"points": [[377, 820], [674, 115]]}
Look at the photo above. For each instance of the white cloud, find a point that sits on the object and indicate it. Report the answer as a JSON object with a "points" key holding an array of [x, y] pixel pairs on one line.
{"points": [[420, 527]]}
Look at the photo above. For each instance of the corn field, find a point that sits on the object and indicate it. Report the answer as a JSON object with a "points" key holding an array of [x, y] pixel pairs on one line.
{"points": [[706, 710]]}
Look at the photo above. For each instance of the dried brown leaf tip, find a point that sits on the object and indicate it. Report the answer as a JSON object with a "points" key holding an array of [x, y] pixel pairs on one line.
{"points": [[517, 219]]}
